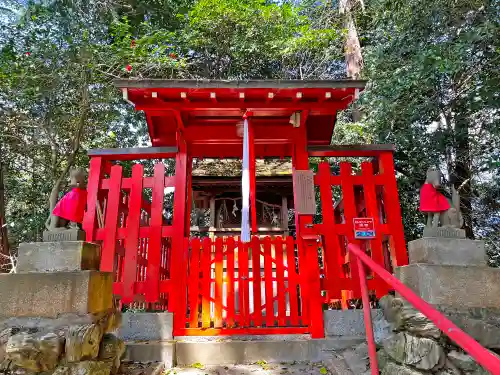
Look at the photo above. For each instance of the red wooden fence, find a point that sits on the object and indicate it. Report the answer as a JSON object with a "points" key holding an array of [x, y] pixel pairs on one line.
{"points": [[222, 286], [234, 287], [372, 192], [133, 230]]}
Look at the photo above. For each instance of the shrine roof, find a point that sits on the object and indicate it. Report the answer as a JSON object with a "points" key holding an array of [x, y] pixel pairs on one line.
{"points": [[207, 111]]}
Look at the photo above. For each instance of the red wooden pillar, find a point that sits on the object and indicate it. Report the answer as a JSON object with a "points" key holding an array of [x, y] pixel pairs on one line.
{"points": [[178, 297], [312, 303], [90, 219], [393, 208]]}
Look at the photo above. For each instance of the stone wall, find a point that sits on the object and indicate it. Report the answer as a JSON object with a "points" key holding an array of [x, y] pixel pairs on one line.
{"points": [[58, 315], [452, 275], [417, 346]]}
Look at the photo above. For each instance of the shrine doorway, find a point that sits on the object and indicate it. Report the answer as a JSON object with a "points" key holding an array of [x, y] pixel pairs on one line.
{"points": [[243, 288], [236, 287]]}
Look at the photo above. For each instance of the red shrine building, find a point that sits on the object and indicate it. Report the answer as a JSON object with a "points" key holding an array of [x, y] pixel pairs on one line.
{"points": [[233, 159]]}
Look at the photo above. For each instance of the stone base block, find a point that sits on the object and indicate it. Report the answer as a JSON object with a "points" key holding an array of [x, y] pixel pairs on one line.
{"points": [[447, 251], [65, 256], [61, 235], [152, 351], [146, 326], [453, 286], [482, 324], [351, 323], [52, 294]]}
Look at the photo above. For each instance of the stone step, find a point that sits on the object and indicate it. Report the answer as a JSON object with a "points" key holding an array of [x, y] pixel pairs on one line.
{"points": [[233, 352], [252, 351]]}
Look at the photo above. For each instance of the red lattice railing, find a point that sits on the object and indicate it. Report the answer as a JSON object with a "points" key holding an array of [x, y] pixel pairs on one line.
{"points": [[371, 191], [235, 287], [134, 233]]}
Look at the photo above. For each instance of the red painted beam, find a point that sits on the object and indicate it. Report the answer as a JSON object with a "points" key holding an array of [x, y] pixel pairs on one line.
{"points": [[227, 134], [328, 105], [134, 153], [235, 151]]}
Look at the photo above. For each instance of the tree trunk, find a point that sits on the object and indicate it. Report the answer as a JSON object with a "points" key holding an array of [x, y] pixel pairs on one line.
{"points": [[4, 240], [462, 173], [82, 120], [352, 50]]}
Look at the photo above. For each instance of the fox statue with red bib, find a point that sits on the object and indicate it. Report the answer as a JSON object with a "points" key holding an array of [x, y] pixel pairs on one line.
{"points": [[439, 210]]}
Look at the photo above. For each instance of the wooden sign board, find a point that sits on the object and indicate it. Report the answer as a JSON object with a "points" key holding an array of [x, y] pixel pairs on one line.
{"points": [[364, 228], [303, 189]]}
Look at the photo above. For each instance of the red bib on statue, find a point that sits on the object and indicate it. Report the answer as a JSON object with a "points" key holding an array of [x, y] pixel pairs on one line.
{"points": [[72, 206], [432, 200]]}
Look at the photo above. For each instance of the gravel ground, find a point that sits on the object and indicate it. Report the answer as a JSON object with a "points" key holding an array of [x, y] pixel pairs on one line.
{"points": [[255, 369]]}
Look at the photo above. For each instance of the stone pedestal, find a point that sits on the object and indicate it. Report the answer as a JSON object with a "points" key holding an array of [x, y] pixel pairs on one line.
{"points": [[58, 257], [56, 311], [452, 274]]}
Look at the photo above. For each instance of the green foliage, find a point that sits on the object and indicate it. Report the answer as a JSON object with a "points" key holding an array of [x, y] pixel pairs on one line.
{"points": [[433, 67]]}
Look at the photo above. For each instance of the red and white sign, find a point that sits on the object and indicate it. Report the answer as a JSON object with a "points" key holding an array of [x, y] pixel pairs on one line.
{"points": [[364, 227]]}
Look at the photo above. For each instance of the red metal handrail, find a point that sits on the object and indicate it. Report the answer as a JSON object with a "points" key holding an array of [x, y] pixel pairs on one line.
{"points": [[484, 357]]}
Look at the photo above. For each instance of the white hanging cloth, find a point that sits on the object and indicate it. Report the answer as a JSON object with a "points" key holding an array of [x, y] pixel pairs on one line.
{"points": [[245, 186]]}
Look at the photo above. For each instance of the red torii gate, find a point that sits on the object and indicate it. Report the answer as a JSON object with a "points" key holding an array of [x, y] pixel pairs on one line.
{"points": [[270, 285]]}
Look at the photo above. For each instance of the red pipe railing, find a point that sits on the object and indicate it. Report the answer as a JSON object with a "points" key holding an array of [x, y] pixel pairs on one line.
{"points": [[482, 356]]}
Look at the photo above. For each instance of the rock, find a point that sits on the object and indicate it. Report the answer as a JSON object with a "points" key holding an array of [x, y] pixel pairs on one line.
{"points": [[113, 321], [82, 342], [419, 352], [394, 369], [463, 361], [449, 369], [35, 352], [382, 329], [389, 306], [382, 359], [406, 318], [337, 365], [62, 323], [4, 337], [417, 324], [112, 349], [85, 368], [357, 359], [62, 370]]}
